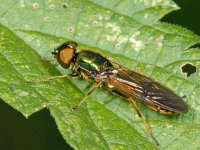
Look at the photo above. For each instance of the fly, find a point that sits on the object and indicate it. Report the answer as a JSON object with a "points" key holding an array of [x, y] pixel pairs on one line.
{"points": [[119, 80]]}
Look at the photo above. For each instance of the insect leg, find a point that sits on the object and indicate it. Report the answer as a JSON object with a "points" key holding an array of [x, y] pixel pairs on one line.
{"points": [[54, 78], [86, 95], [143, 120]]}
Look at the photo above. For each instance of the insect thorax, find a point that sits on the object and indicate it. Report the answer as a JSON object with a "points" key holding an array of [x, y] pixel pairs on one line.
{"points": [[90, 63]]}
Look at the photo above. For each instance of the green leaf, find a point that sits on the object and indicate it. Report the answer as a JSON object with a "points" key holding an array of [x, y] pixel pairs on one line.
{"points": [[129, 32]]}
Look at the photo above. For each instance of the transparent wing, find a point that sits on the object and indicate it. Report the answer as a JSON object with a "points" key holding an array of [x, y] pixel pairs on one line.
{"points": [[130, 83]]}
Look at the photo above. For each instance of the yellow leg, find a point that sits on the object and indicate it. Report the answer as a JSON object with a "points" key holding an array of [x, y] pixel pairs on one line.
{"points": [[86, 95], [143, 120], [53, 78]]}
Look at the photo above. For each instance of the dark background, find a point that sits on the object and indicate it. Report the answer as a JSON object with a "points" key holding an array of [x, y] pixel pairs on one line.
{"points": [[39, 132], [187, 17]]}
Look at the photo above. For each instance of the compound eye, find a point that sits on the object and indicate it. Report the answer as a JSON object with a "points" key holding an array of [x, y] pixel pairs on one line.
{"points": [[65, 57]]}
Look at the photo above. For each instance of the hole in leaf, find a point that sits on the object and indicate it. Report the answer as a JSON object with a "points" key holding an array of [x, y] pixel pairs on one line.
{"points": [[65, 6], [189, 69]]}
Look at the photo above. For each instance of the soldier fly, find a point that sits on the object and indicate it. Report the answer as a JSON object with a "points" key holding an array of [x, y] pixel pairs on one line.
{"points": [[118, 80]]}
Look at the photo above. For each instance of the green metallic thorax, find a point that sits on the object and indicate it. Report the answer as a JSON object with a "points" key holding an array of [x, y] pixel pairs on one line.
{"points": [[90, 62]]}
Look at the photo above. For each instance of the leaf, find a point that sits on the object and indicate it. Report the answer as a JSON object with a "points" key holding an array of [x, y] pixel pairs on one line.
{"points": [[130, 33]]}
